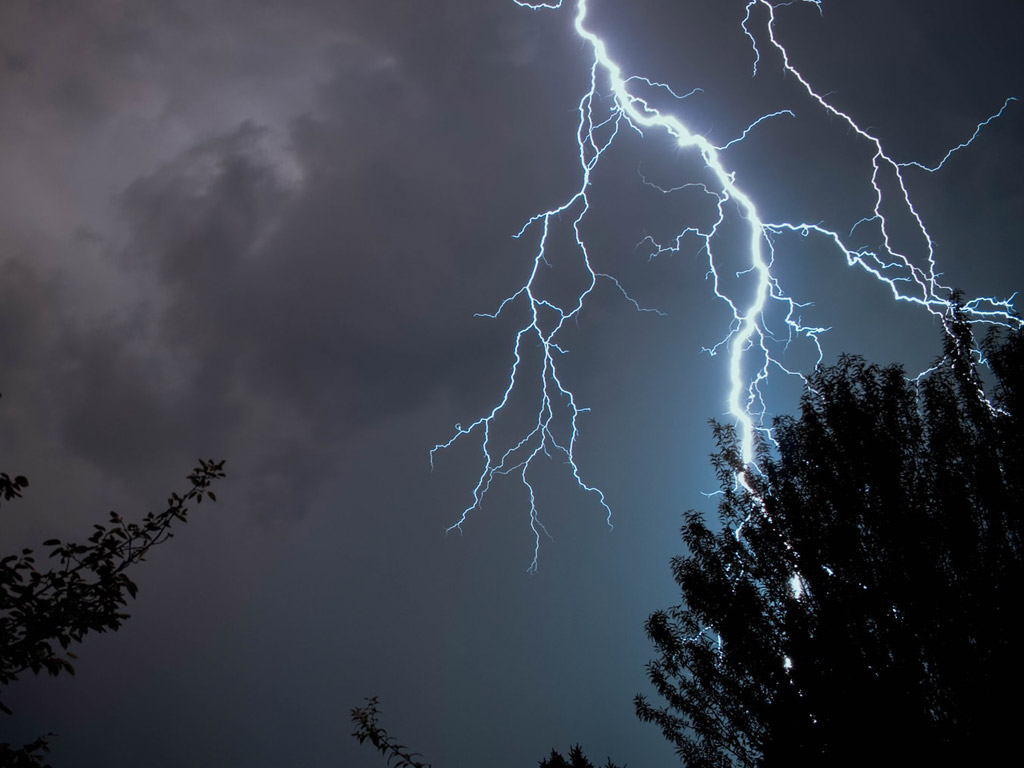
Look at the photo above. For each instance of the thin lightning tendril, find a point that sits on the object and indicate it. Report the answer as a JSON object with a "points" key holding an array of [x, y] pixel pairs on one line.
{"points": [[747, 345]]}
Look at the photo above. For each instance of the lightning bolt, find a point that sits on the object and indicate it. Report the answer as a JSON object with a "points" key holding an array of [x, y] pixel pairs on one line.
{"points": [[753, 346]]}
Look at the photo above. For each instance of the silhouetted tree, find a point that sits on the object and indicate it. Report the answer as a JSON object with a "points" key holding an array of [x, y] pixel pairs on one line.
{"points": [[576, 760], [858, 602], [43, 612]]}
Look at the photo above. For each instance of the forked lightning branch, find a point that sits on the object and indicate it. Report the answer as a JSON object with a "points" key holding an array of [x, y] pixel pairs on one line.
{"points": [[613, 101]]}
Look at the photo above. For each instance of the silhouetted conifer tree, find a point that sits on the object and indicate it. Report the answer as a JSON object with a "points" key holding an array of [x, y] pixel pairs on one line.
{"points": [[576, 759]]}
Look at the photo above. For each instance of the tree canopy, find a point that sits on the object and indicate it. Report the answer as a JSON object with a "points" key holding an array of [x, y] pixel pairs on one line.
{"points": [[858, 599]]}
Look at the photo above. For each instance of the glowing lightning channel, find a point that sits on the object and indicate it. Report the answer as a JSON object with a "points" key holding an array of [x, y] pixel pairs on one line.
{"points": [[747, 345]]}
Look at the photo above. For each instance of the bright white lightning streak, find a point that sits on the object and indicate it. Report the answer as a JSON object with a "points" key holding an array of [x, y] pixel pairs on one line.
{"points": [[747, 344]]}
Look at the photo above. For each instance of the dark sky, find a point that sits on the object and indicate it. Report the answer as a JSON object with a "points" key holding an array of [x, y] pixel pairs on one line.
{"points": [[260, 231]]}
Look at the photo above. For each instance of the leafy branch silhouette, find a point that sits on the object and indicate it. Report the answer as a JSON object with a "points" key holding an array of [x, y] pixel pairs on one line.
{"points": [[368, 728]]}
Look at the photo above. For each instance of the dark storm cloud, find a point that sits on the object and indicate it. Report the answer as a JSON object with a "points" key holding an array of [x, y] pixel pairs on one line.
{"points": [[15, 61], [335, 293], [315, 295], [111, 409], [277, 293], [325, 297], [26, 310], [93, 387], [79, 57]]}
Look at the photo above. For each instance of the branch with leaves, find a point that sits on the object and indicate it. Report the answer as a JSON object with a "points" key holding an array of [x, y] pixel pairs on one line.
{"points": [[368, 728], [42, 612]]}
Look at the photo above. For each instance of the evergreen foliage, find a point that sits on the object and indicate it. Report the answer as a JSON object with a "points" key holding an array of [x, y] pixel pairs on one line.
{"points": [[576, 759]]}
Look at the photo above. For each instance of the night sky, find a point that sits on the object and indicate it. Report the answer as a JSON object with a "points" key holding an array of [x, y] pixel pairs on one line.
{"points": [[261, 231]]}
